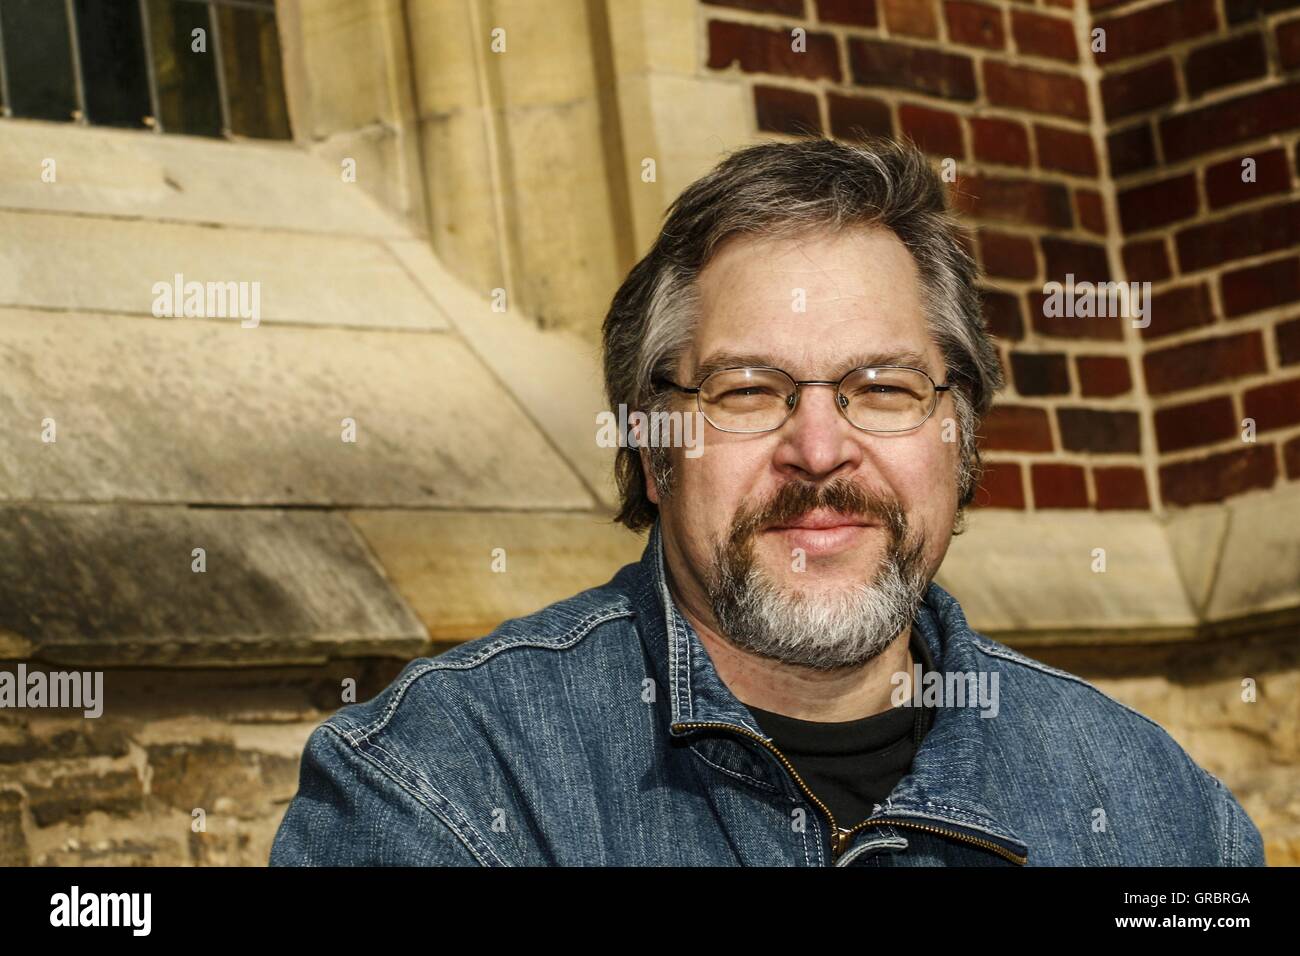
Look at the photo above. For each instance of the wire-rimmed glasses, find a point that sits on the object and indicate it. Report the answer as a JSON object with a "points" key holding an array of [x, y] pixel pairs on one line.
{"points": [[873, 398]]}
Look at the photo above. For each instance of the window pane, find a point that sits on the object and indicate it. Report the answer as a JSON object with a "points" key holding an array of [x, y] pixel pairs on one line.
{"points": [[250, 54], [189, 99], [113, 71], [38, 56]]}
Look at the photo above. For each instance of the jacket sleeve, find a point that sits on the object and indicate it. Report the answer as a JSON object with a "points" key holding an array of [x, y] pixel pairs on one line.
{"points": [[1239, 838], [350, 812]]}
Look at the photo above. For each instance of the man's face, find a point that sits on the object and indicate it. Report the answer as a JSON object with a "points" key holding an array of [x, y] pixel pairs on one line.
{"points": [[746, 523]]}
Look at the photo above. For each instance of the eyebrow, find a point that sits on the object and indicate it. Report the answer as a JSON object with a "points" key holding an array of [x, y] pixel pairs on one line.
{"points": [[721, 360]]}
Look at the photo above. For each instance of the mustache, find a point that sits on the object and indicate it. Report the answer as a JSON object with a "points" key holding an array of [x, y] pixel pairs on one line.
{"points": [[842, 496]]}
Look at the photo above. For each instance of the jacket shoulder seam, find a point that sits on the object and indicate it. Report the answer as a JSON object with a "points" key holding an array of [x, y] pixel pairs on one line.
{"points": [[470, 844], [576, 633], [984, 645]]}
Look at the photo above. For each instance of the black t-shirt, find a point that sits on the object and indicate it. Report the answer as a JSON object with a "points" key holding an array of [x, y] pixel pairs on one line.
{"points": [[852, 765]]}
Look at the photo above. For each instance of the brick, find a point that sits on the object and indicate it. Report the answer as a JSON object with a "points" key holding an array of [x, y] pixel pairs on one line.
{"points": [[913, 18], [1288, 342], [1016, 428], [1224, 63], [975, 24], [1036, 91], [1146, 88], [1001, 312], [1224, 185], [792, 112], [1022, 201], [789, 8], [1216, 477], [1035, 373], [1120, 488], [1241, 10], [1103, 327], [1001, 486], [1058, 485], [854, 118], [1288, 44], [1007, 256], [1155, 28], [1099, 431], [761, 50], [1264, 286], [1195, 424], [1131, 150], [1103, 376], [1066, 150], [1090, 210], [1291, 455], [1193, 364], [1146, 261], [856, 13], [1275, 405], [1158, 203], [879, 63], [1038, 35], [1230, 121], [999, 141], [1085, 260], [937, 132], [1249, 233], [1179, 309]]}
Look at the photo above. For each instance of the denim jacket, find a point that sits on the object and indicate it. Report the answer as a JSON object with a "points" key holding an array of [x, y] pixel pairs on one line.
{"points": [[597, 731]]}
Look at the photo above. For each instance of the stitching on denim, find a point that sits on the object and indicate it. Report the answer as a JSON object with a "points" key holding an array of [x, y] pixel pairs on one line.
{"points": [[1228, 842], [445, 819], [579, 631], [762, 784], [418, 797], [675, 638], [1007, 654], [962, 819], [898, 842]]}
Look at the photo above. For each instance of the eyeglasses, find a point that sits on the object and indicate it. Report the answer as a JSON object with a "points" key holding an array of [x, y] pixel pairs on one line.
{"points": [[878, 398]]}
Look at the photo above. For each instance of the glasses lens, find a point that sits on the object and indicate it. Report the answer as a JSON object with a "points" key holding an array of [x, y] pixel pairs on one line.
{"points": [[746, 399], [887, 399]]}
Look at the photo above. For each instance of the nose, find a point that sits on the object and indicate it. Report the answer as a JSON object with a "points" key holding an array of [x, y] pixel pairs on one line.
{"points": [[817, 441]]}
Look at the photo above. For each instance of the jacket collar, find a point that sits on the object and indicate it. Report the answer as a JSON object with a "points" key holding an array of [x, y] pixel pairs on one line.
{"points": [[951, 782]]}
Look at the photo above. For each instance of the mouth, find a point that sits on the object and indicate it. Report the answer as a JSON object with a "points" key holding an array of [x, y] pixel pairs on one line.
{"points": [[824, 532]]}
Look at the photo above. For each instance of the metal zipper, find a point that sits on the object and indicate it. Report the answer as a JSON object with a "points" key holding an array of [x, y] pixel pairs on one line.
{"points": [[840, 838]]}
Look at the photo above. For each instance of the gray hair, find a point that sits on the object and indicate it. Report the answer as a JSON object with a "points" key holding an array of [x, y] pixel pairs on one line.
{"points": [[790, 190]]}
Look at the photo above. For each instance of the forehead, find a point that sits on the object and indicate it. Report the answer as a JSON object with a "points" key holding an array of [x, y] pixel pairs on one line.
{"points": [[814, 305]]}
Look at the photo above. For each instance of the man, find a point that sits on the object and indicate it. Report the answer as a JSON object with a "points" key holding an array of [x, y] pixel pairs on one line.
{"points": [[744, 694]]}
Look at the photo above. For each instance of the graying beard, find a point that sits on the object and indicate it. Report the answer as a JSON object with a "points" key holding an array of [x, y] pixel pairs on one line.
{"points": [[839, 631]]}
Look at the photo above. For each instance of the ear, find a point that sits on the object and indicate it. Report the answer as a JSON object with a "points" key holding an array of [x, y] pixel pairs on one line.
{"points": [[651, 489]]}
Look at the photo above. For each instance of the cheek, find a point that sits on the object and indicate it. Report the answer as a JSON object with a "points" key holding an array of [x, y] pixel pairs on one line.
{"points": [[922, 473]]}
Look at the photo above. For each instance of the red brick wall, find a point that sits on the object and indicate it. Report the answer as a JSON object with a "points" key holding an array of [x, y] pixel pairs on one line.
{"points": [[1120, 165]]}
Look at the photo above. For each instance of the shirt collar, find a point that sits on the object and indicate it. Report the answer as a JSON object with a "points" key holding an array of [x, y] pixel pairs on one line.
{"points": [[951, 782]]}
